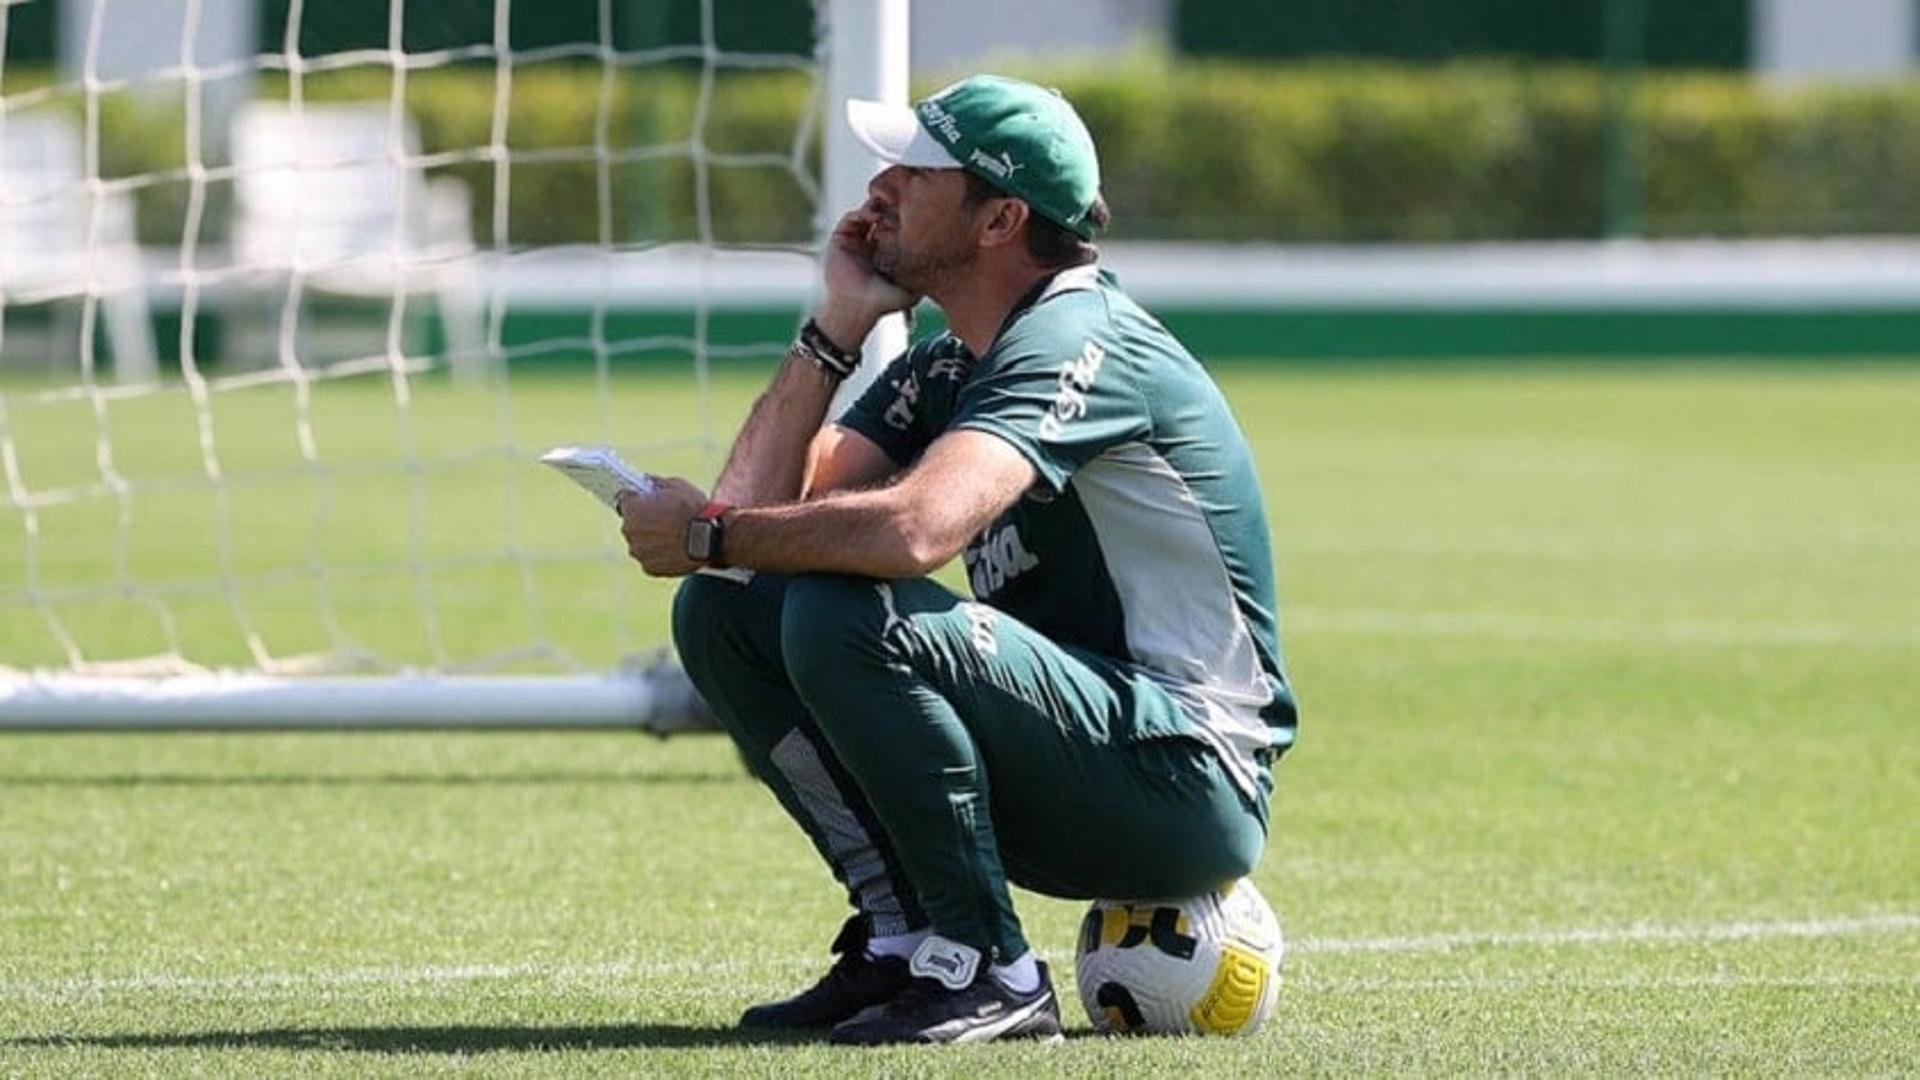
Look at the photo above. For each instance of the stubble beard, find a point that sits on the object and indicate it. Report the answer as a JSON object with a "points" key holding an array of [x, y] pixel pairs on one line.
{"points": [[924, 271]]}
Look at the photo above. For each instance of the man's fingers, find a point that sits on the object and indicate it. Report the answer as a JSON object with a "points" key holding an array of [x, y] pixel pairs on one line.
{"points": [[857, 227], [654, 524]]}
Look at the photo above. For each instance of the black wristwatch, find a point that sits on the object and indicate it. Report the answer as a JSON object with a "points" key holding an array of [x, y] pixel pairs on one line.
{"points": [[705, 535]]}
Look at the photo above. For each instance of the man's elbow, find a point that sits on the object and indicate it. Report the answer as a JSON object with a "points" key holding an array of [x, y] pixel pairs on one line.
{"points": [[918, 549]]}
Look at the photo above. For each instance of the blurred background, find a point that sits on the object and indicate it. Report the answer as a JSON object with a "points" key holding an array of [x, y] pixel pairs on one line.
{"points": [[1396, 123]]}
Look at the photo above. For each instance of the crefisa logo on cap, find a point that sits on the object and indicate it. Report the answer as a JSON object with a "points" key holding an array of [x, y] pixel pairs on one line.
{"points": [[940, 120]]}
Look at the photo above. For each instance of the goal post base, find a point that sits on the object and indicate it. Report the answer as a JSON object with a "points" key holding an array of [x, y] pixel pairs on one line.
{"points": [[659, 701]]}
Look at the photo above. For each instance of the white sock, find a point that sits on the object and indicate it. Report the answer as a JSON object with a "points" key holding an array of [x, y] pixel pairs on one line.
{"points": [[1022, 976], [900, 945]]}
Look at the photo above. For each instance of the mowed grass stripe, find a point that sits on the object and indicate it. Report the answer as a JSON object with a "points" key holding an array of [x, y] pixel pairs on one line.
{"points": [[1732, 981], [1693, 500], [1755, 930], [1532, 627]]}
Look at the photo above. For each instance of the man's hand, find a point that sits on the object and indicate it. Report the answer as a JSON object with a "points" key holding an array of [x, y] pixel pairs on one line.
{"points": [[857, 295], [655, 526]]}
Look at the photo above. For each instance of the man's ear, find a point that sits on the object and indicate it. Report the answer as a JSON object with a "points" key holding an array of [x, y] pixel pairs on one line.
{"points": [[1005, 222]]}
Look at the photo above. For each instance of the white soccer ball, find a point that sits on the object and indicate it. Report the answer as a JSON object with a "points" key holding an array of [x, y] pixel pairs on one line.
{"points": [[1207, 965]]}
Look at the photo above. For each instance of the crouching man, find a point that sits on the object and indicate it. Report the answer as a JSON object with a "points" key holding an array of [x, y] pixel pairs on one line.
{"points": [[1102, 717]]}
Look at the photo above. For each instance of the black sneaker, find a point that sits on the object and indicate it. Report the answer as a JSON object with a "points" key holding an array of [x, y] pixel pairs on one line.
{"points": [[928, 1012], [856, 981]]}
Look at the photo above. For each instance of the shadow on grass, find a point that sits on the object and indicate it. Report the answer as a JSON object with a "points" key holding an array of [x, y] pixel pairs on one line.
{"points": [[370, 779], [432, 1040]]}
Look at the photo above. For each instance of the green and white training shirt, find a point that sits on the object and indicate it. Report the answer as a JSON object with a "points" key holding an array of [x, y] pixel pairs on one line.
{"points": [[1146, 538]]}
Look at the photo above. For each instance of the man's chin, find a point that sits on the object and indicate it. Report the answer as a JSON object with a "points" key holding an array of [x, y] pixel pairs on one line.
{"points": [[903, 276], [922, 277]]}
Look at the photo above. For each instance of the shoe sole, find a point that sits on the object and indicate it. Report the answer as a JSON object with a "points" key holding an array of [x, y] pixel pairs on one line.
{"points": [[1005, 1027]]}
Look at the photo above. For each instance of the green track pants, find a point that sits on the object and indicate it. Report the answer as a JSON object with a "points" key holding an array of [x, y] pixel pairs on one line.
{"points": [[935, 748]]}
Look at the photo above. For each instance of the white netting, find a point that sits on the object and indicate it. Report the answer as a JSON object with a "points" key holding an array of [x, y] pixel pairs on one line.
{"points": [[385, 280]]}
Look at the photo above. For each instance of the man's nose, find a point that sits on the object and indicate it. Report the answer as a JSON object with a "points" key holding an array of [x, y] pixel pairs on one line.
{"points": [[880, 189]]}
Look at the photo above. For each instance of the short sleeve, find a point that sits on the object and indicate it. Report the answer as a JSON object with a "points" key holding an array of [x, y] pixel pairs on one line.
{"points": [[885, 412], [1061, 407]]}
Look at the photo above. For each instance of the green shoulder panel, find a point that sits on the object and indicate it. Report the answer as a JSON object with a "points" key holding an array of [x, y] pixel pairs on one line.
{"points": [[1052, 385]]}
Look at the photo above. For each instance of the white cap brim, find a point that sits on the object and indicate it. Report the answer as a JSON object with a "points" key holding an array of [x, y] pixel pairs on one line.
{"points": [[894, 134]]}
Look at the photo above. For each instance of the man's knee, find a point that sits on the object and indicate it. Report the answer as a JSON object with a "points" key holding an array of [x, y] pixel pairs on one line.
{"points": [[830, 623], [695, 606], [1242, 851], [710, 617]]}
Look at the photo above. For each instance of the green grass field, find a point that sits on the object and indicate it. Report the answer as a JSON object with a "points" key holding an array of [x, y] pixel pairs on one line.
{"points": [[1609, 764]]}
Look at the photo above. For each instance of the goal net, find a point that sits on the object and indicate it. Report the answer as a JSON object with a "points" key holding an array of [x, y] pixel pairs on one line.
{"points": [[294, 295]]}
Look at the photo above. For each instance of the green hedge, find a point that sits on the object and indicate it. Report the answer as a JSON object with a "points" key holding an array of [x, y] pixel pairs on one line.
{"points": [[1347, 152], [1197, 150]]}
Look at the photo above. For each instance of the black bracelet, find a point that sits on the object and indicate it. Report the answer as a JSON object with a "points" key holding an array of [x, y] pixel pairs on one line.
{"points": [[825, 354]]}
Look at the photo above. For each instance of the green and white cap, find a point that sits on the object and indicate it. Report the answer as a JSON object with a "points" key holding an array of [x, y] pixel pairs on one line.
{"points": [[1023, 139]]}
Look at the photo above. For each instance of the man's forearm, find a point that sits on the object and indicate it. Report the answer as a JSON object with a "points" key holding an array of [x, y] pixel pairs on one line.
{"points": [[907, 528], [769, 456], [865, 532], [768, 462]]}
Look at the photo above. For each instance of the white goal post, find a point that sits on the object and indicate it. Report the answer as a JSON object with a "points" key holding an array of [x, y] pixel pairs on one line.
{"points": [[297, 519]]}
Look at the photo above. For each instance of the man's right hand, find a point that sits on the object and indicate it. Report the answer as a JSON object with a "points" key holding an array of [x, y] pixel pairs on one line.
{"points": [[857, 295]]}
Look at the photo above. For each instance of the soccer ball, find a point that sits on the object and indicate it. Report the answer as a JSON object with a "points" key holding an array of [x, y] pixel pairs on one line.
{"points": [[1207, 965]]}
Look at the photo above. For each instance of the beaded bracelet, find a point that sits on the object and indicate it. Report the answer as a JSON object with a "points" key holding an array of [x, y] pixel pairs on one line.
{"points": [[826, 355]]}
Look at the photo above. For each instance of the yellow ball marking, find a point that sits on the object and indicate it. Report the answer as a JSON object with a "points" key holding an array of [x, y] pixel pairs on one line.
{"points": [[1238, 984]]}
